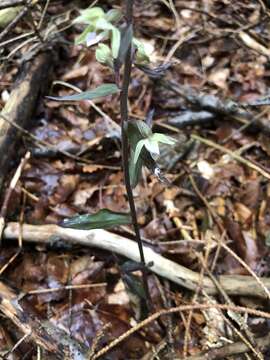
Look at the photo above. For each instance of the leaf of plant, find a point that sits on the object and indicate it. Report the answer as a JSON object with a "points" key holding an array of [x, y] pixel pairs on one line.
{"points": [[126, 38], [139, 146], [100, 91], [82, 38], [103, 24], [116, 40], [88, 15], [144, 129], [134, 285], [103, 219], [165, 139], [135, 171], [152, 146]]}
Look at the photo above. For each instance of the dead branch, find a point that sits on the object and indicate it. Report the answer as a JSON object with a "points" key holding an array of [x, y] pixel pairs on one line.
{"points": [[212, 104], [41, 333], [14, 22], [11, 3], [12, 185], [232, 284], [189, 117], [22, 104], [229, 350]]}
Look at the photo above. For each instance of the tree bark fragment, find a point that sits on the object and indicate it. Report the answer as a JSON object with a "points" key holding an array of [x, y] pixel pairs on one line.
{"points": [[42, 333], [21, 105]]}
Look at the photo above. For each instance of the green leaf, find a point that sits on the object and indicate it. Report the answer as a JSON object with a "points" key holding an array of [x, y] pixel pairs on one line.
{"points": [[100, 91], [165, 139], [9, 14], [116, 40], [113, 15], [126, 38], [103, 24], [139, 146], [103, 219], [81, 39], [143, 128], [152, 146], [135, 169], [89, 15]]}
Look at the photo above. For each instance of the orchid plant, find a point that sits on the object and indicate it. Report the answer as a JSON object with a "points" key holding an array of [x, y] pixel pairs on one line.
{"points": [[111, 33]]}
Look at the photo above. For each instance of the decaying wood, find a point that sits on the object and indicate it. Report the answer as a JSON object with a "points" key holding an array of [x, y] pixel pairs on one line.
{"points": [[10, 3], [41, 333], [229, 350], [232, 284], [21, 105]]}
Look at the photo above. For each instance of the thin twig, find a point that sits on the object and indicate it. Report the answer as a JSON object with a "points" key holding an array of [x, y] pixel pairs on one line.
{"points": [[67, 287], [245, 265], [13, 183]]}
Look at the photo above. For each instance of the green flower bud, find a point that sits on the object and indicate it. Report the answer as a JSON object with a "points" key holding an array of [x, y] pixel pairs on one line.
{"points": [[142, 57], [104, 55], [113, 15]]}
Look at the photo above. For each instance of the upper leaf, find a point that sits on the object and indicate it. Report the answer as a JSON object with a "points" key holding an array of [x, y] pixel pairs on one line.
{"points": [[116, 40], [82, 38], [100, 91], [103, 219], [89, 15], [126, 39]]}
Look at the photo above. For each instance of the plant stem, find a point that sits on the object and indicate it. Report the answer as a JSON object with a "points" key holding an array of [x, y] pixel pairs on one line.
{"points": [[125, 152]]}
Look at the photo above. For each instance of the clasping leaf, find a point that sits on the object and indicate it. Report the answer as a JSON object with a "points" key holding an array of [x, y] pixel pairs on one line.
{"points": [[100, 91], [103, 219]]}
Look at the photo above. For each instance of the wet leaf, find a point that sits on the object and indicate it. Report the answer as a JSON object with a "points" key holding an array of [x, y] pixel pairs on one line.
{"points": [[103, 219]]}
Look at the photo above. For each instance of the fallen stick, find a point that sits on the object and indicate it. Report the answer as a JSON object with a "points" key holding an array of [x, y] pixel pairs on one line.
{"points": [[236, 348], [11, 3], [42, 333], [49, 234]]}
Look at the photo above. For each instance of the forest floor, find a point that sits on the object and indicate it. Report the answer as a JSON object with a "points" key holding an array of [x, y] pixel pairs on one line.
{"points": [[213, 219]]}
